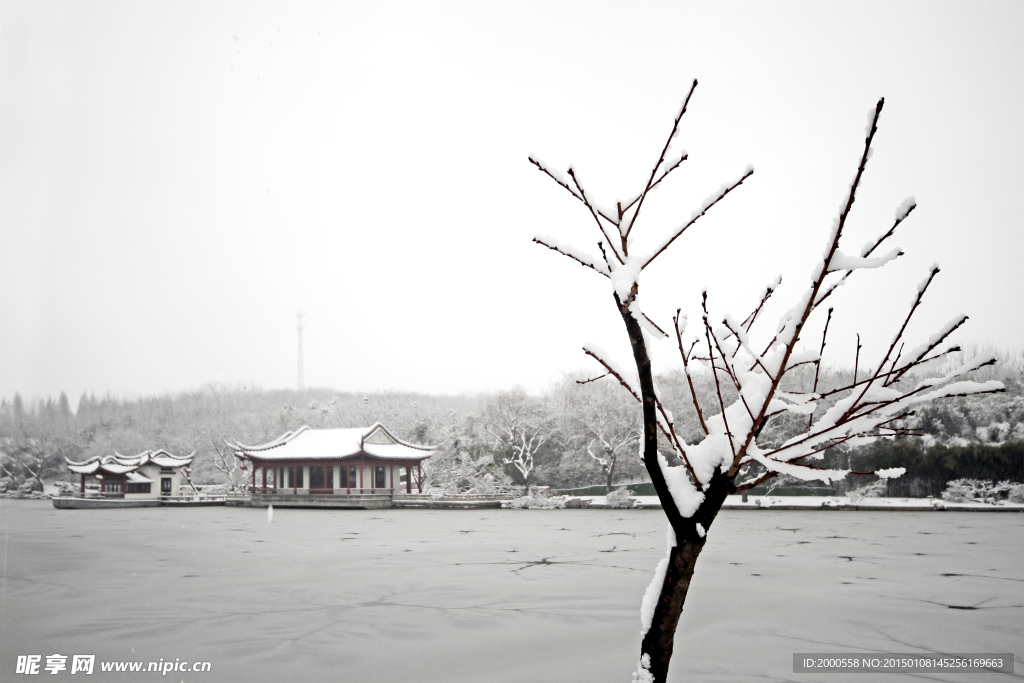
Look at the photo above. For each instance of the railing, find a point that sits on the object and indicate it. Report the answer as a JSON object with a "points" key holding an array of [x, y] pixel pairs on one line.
{"points": [[201, 496], [500, 492], [99, 495], [271, 491], [92, 495]]}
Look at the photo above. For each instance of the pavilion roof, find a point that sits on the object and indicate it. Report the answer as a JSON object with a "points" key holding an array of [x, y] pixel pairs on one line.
{"points": [[123, 464], [305, 443]]}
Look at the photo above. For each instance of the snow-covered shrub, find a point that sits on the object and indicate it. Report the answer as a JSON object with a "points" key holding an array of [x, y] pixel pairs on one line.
{"points": [[536, 502], [65, 488], [966, 490], [959, 490], [876, 489], [1015, 494], [620, 498]]}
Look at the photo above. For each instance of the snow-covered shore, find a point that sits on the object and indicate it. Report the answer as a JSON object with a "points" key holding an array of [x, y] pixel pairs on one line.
{"points": [[831, 503]]}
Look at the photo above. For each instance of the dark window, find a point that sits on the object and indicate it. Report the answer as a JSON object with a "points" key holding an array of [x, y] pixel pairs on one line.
{"points": [[343, 477], [165, 485], [111, 486], [316, 477], [138, 487], [380, 477]]}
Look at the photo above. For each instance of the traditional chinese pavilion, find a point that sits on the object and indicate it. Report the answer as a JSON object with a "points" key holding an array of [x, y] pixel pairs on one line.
{"points": [[148, 475], [354, 467]]}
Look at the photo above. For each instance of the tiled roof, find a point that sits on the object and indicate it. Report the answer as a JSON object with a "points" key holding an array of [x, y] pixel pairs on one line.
{"points": [[123, 464], [318, 444]]}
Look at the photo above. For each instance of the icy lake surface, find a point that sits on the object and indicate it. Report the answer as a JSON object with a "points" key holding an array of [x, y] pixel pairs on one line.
{"points": [[526, 596]]}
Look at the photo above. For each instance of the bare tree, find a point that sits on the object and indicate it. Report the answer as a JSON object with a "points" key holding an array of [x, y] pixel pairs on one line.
{"points": [[519, 428], [33, 458], [752, 387], [611, 426], [223, 460]]}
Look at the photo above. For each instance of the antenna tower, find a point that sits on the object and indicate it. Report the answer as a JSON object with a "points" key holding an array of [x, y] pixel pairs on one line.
{"points": [[302, 379]]}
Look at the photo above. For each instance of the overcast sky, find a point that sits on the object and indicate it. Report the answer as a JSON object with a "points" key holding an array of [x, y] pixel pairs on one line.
{"points": [[178, 178]]}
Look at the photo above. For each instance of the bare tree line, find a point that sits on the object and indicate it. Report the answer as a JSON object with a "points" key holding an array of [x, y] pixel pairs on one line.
{"points": [[583, 433]]}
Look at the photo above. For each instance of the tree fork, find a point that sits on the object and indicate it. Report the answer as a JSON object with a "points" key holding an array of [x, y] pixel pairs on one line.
{"points": [[659, 641]]}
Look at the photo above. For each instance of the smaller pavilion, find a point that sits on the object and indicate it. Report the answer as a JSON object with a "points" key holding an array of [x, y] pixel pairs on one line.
{"points": [[352, 467], [150, 475]]}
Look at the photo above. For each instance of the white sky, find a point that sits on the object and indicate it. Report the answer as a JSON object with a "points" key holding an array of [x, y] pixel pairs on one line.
{"points": [[178, 178]]}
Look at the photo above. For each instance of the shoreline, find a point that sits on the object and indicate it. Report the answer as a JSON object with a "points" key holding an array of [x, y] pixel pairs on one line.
{"points": [[598, 503]]}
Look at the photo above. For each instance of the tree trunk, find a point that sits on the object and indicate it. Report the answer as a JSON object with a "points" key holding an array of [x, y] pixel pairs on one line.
{"points": [[690, 532], [658, 642]]}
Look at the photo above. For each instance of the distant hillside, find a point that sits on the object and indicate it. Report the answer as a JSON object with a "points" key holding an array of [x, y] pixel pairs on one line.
{"points": [[477, 437]]}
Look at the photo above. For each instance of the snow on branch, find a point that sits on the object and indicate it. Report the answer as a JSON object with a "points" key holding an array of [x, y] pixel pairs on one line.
{"points": [[749, 321], [698, 213], [841, 261], [627, 380], [922, 287], [680, 325], [904, 209], [960, 371], [543, 169], [595, 212], [736, 330], [645, 320], [902, 212], [916, 354], [578, 256], [654, 171]]}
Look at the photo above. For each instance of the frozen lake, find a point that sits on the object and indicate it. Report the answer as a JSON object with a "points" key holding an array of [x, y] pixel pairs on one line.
{"points": [[498, 596]]}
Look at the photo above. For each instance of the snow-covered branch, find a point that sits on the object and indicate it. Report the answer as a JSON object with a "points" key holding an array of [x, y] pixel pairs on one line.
{"points": [[698, 213], [576, 255], [661, 159]]}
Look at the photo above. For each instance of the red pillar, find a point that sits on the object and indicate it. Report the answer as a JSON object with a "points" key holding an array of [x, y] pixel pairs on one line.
{"points": [[392, 467], [360, 476], [82, 487], [419, 482], [408, 479]]}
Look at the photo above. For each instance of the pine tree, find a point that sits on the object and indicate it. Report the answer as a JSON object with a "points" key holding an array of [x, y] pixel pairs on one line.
{"points": [[64, 406]]}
